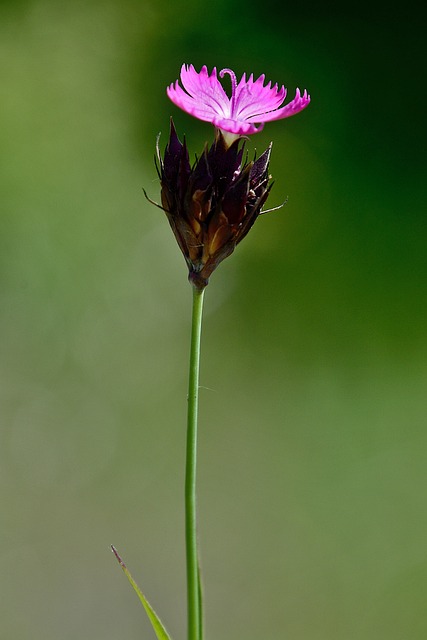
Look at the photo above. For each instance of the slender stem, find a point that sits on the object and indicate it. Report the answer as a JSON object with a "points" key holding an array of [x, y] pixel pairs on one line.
{"points": [[193, 578]]}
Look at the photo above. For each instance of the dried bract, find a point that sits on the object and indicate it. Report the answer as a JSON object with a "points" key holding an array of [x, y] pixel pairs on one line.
{"points": [[211, 205]]}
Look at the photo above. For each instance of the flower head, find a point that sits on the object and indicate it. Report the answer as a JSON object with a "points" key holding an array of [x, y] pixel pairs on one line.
{"points": [[251, 102], [211, 205]]}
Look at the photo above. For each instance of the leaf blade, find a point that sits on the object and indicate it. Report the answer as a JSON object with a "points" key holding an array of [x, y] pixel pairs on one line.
{"points": [[156, 623]]}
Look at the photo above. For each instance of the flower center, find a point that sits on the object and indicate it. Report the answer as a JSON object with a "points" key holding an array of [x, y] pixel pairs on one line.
{"points": [[233, 88]]}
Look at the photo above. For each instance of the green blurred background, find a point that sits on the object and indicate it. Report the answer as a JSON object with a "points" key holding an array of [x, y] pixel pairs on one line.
{"points": [[312, 479]]}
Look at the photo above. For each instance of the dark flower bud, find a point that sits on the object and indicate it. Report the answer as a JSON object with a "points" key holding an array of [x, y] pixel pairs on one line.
{"points": [[212, 205]]}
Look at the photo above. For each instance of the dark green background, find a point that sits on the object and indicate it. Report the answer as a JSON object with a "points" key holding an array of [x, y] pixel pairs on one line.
{"points": [[312, 478]]}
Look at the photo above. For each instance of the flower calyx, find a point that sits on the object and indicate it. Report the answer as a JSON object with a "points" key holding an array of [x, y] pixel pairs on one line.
{"points": [[212, 205]]}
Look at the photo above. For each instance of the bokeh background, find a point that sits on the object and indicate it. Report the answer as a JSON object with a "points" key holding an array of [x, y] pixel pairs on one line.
{"points": [[312, 479]]}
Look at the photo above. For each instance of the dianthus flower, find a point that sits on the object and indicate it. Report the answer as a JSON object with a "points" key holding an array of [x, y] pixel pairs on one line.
{"points": [[212, 204], [251, 102]]}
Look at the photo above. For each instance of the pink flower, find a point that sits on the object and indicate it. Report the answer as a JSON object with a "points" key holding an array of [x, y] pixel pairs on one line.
{"points": [[251, 102]]}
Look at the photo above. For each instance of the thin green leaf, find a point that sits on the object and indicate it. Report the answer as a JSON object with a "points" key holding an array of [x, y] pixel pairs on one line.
{"points": [[156, 623], [200, 592]]}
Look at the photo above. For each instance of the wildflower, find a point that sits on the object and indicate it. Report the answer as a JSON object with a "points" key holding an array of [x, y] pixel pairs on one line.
{"points": [[212, 205], [251, 102]]}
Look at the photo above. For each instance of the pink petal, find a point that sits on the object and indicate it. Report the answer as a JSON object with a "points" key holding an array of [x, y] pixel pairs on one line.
{"points": [[238, 127], [297, 104], [254, 98], [205, 89], [189, 104], [251, 104]]}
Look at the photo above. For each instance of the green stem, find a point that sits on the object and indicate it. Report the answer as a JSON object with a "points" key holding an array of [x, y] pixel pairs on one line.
{"points": [[193, 578]]}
